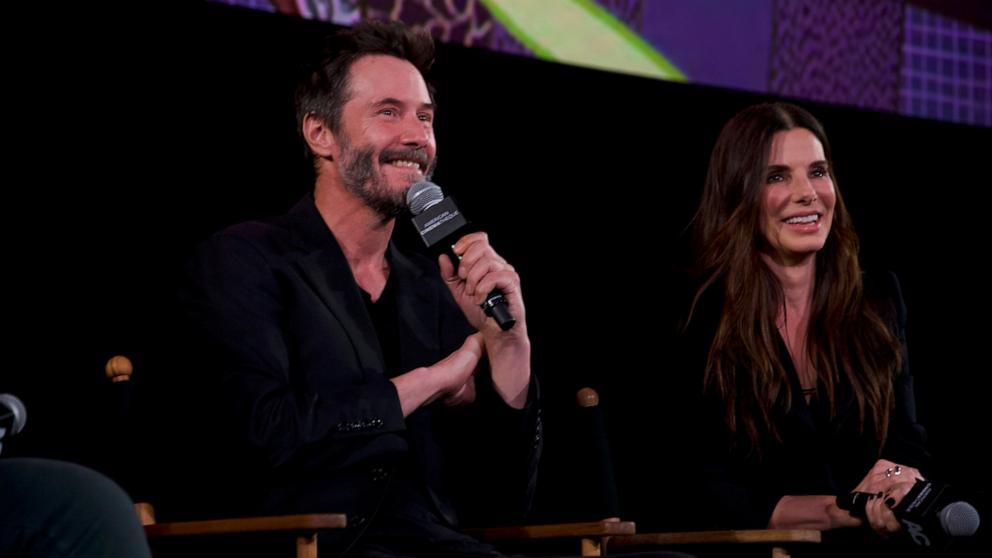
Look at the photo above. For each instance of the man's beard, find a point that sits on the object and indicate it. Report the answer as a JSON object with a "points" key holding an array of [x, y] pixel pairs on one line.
{"points": [[358, 172]]}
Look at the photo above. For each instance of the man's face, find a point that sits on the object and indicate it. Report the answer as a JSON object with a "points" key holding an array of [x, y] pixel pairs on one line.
{"points": [[386, 138]]}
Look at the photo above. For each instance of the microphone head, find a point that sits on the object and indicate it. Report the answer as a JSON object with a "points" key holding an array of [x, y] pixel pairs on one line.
{"points": [[959, 519], [423, 195], [16, 410]]}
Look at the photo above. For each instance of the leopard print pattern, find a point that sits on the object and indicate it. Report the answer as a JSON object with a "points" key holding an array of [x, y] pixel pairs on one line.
{"points": [[469, 23], [843, 51]]}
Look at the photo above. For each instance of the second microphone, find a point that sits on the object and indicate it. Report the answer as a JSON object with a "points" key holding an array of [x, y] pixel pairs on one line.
{"points": [[440, 224]]}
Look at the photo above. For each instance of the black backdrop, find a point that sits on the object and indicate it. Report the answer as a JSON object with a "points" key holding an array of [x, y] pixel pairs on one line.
{"points": [[132, 139]]}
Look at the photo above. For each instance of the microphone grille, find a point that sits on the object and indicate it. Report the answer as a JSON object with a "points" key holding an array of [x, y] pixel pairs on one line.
{"points": [[959, 519], [20, 414], [423, 195]]}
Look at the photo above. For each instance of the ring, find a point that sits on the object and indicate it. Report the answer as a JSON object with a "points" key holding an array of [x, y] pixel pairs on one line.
{"points": [[897, 471], [890, 471]]}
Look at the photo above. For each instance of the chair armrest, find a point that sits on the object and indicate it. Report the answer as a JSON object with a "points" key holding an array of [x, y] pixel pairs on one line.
{"points": [[606, 528], [750, 536], [279, 523]]}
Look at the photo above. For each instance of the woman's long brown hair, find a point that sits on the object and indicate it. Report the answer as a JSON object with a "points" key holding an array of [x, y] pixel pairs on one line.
{"points": [[847, 340]]}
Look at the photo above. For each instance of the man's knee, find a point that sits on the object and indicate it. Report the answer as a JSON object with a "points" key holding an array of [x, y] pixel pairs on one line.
{"points": [[56, 508]]}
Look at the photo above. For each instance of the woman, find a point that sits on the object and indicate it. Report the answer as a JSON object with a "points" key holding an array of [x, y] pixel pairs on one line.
{"points": [[807, 392]]}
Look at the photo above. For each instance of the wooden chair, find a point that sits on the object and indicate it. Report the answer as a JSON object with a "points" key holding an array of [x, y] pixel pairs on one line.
{"points": [[779, 542], [611, 536], [594, 538], [302, 529]]}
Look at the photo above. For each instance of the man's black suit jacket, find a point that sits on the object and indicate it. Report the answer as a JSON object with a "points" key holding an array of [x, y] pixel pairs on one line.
{"points": [[292, 382]]}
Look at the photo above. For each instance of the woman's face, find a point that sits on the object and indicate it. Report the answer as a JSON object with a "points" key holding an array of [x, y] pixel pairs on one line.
{"points": [[797, 202]]}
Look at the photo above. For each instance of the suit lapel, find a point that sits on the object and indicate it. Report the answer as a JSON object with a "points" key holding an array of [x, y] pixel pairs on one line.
{"points": [[418, 310], [417, 306], [324, 268]]}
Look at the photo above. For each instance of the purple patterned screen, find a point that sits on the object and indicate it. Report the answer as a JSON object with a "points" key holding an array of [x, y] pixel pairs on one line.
{"points": [[844, 51], [886, 55], [947, 69]]}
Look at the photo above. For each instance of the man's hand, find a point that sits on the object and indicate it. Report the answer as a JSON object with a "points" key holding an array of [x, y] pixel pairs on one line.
{"points": [[452, 378], [480, 270]]}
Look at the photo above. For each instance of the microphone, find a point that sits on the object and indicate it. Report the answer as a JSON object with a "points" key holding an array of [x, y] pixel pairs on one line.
{"points": [[927, 513], [13, 416], [440, 224]]}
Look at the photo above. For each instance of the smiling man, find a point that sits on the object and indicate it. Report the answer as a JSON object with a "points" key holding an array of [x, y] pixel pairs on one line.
{"points": [[352, 377]]}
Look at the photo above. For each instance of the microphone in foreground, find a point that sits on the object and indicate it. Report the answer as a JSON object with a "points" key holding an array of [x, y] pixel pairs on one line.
{"points": [[440, 224], [927, 513], [13, 416]]}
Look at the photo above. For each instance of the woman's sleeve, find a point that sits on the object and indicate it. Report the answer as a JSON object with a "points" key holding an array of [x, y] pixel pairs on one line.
{"points": [[906, 440]]}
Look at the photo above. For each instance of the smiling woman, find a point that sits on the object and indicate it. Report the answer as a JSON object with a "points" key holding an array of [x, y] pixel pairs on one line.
{"points": [[807, 394], [798, 198]]}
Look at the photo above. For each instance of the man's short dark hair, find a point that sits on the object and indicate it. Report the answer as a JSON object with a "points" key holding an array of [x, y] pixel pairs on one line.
{"points": [[324, 90]]}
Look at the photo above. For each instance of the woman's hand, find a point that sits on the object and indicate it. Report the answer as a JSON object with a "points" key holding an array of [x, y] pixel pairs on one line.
{"points": [[888, 482]]}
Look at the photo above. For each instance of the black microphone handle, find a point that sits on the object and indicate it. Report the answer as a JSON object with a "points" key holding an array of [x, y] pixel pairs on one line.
{"points": [[854, 502], [496, 308], [495, 304]]}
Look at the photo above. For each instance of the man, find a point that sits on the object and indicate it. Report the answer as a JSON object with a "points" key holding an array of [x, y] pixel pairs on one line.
{"points": [[57, 509], [352, 377]]}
